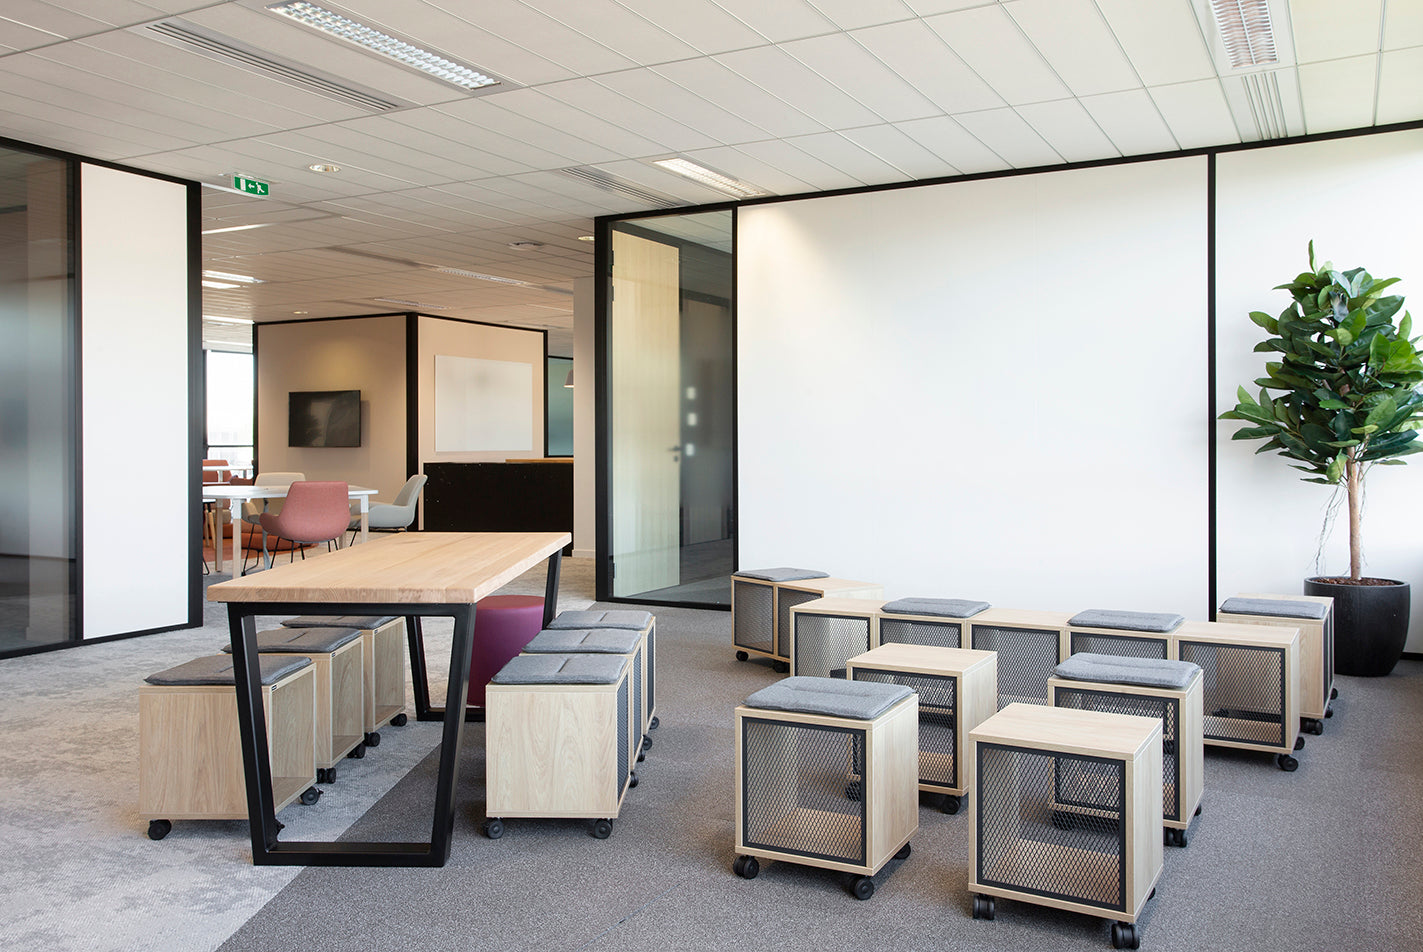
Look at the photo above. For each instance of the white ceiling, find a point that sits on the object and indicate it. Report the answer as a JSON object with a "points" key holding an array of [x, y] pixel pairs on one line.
{"points": [[790, 95]]}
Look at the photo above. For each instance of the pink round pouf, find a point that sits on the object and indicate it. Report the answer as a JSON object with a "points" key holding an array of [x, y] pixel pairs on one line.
{"points": [[503, 625]]}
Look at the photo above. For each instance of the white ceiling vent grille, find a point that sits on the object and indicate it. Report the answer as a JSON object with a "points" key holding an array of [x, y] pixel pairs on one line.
{"points": [[1266, 104], [191, 37], [1246, 31], [612, 183]]}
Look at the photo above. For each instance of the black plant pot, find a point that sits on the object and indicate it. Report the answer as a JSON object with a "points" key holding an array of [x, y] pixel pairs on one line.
{"points": [[1370, 625]]}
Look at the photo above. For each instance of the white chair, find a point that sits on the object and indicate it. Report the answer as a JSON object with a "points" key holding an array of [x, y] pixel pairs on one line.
{"points": [[392, 516]]}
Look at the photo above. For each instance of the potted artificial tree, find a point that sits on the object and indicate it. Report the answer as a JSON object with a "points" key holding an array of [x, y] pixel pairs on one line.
{"points": [[1348, 378]]}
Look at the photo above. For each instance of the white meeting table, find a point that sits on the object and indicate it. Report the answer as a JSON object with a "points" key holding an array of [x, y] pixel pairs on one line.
{"points": [[234, 494]]}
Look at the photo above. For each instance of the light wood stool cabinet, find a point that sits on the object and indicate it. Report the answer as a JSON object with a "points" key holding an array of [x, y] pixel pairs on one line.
{"points": [[383, 647], [1313, 615], [827, 632], [761, 602], [1066, 812], [189, 752]]}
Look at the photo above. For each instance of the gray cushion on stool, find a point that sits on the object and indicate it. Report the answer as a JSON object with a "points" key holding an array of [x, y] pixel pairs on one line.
{"points": [[1282, 607], [217, 669], [561, 669], [338, 621], [947, 607], [602, 619], [1118, 669], [1128, 621], [302, 640], [584, 641], [783, 574], [860, 700]]}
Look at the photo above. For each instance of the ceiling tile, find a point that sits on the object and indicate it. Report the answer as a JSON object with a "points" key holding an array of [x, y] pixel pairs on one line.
{"points": [[546, 37], [533, 106], [1338, 94], [1069, 129], [852, 14], [1162, 39], [1401, 86], [791, 81], [617, 28], [929, 7], [840, 153], [1005, 132], [844, 62], [888, 144], [718, 85], [990, 42], [770, 164], [1196, 113], [779, 20], [954, 144], [917, 55], [1323, 30], [1077, 44], [1130, 119], [1403, 24], [698, 23], [657, 92], [597, 99]]}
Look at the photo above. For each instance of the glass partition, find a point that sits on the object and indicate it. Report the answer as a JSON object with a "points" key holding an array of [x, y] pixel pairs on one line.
{"points": [[670, 340], [38, 400]]}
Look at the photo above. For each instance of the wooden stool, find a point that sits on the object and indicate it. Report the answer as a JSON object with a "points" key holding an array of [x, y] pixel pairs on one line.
{"points": [[925, 621], [957, 688], [644, 663], [1147, 687], [189, 753], [559, 735], [1313, 615], [761, 601], [1066, 813], [338, 664], [624, 642], [1250, 685], [1028, 645], [827, 632], [826, 776], [1123, 633], [383, 654]]}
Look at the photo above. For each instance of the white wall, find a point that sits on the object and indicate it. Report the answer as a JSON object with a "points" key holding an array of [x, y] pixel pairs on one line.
{"points": [[136, 335], [1359, 199], [992, 389]]}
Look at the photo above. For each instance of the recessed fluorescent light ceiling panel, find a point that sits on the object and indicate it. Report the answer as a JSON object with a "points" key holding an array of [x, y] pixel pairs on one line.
{"points": [[219, 231], [220, 285], [228, 276], [710, 177], [404, 303], [217, 319], [408, 54], [1246, 31]]}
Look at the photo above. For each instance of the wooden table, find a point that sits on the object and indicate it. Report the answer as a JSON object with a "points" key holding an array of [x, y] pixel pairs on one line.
{"points": [[412, 574]]}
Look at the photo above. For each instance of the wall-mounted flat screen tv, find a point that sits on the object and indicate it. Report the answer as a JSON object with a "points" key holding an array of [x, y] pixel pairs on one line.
{"points": [[324, 418]]}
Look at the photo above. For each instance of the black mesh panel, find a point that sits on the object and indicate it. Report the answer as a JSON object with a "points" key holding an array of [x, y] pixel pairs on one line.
{"points": [[1026, 658], [753, 621], [1328, 657], [652, 668], [1131, 646], [938, 722], [624, 721], [639, 716], [823, 643], [941, 634], [1243, 691], [786, 599], [1051, 824], [1165, 709], [802, 790]]}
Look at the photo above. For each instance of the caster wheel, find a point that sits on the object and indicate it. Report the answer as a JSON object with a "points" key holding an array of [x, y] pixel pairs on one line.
{"points": [[641, 758], [1151, 895], [1124, 936], [373, 739], [602, 829], [326, 775], [1287, 763], [358, 751], [1329, 712], [1175, 837], [742, 656], [493, 828], [632, 780], [309, 796], [1312, 725], [1198, 809], [903, 853], [1333, 694], [653, 724], [280, 825], [1299, 743], [952, 804], [780, 667], [1181, 841], [852, 790], [983, 907], [646, 742], [746, 867], [863, 887], [157, 829], [399, 720]]}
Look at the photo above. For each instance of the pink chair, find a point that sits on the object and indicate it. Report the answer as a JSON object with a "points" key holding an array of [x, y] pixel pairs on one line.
{"points": [[314, 511]]}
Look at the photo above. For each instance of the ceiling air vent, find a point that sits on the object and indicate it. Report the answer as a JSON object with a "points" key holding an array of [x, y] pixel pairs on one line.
{"points": [[192, 37], [612, 183]]}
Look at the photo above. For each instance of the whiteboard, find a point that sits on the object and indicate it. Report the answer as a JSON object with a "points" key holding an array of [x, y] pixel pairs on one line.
{"points": [[483, 404]]}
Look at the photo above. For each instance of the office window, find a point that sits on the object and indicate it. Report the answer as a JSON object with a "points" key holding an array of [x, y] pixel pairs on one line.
{"points": [[38, 399], [229, 403]]}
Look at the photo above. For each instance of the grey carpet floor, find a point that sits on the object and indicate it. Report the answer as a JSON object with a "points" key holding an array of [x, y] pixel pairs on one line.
{"points": [[1324, 858]]}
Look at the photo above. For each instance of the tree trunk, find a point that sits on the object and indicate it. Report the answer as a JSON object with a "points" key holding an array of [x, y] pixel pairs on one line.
{"points": [[1355, 473]]}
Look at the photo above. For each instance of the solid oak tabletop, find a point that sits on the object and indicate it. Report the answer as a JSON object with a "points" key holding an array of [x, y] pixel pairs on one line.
{"points": [[404, 568]]}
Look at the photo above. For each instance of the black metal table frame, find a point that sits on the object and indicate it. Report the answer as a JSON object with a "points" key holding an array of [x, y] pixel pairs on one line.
{"points": [[267, 850]]}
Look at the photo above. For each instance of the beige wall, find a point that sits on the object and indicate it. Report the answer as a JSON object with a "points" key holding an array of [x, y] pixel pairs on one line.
{"points": [[361, 353]]}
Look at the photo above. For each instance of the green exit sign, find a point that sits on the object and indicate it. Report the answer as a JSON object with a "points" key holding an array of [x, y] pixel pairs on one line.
{"points": [[249, 185]]}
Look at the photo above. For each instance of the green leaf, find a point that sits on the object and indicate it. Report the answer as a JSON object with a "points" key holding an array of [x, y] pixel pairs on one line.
{"points": [[1336, 468], [1266, 321]]}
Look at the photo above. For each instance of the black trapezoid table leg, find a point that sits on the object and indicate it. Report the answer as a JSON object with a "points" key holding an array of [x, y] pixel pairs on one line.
{"points": [[555, 567]]}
